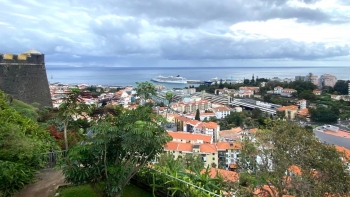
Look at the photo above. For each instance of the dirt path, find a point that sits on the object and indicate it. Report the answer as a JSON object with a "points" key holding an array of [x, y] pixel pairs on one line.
{"points": [[46, 184]]}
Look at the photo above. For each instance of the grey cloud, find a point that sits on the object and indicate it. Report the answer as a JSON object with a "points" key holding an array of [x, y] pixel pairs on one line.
{"points": [[208, 47], [191, 14], [160, 29], [119, 36]]}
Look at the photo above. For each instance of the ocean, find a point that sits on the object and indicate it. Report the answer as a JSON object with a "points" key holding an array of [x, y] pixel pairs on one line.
{"points": [[130, 75]]}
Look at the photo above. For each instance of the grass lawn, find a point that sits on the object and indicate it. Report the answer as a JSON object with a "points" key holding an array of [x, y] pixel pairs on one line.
{"points": [[86, 191]]}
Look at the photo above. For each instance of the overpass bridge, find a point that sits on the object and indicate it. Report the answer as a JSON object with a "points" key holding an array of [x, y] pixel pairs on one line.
{"points": [[250, 103]]}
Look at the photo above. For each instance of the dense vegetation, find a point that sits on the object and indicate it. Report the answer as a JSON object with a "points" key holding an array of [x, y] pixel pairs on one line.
{"points": [[119, 147], [189, 170], [21, 142], [293, 162]]}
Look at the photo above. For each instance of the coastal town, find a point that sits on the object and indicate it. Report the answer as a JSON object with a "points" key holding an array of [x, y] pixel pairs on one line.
{"points": [[196, 115]]}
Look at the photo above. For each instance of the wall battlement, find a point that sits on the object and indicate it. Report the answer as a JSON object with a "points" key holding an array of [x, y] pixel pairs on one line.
{"points": [[24, 77]]}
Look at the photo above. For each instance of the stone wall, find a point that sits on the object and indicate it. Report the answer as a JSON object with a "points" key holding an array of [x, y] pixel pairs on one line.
{"points": [[24, 77]]}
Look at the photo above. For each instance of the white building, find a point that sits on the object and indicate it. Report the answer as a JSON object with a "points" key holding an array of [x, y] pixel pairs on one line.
{"points": [[302, 104], [221, 112], [277, 90]]}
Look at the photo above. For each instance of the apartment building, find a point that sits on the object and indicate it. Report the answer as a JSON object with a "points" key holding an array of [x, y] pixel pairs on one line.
{"points": [[312, 78], [208, 152], [287, 92], [221, 112], [327, 80], [191, 106], [192, 138]]}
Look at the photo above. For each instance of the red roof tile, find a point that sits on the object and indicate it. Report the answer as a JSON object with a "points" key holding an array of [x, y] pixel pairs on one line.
{"points": [[208, 148], [190, 136], [227, 175]]}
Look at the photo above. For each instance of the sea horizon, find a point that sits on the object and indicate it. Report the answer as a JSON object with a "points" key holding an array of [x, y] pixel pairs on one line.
{"points": [[124, 75]]}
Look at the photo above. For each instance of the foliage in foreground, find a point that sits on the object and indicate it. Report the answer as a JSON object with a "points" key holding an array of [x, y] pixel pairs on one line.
{"points": [[21, 140], [288, 159], [119, 147], [188, 169], [87, 191]]}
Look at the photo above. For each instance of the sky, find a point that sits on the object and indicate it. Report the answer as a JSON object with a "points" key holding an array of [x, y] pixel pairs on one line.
{"points": [[179, 32]]}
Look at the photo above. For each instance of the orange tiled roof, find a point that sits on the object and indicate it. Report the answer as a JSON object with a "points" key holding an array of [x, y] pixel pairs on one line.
{"points": [[223, 145], [303, 112], [295, 169], [208, 148], [210, 125], [193, 122], [253, 130], [227, 175], [184, 147], [190, 136], [221, 109], [236, 146], [290, 107], [171, 146], [233, 165], [266, 190], [344, 151], [182, 118], [232, 131]]}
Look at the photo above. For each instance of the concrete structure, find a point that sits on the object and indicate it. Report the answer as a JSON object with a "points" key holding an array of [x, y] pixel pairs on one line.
{"points": [[221, 112], [251, 104], [194, 126], [24, 77], [287, 92], [312, 78], [277, 90], [228, 154], [327, 80], [290, 112], [191, 106], [208, 152], [302, 104]]}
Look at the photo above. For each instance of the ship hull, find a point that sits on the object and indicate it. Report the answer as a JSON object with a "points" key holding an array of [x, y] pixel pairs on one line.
{"points": [[176, 82]]}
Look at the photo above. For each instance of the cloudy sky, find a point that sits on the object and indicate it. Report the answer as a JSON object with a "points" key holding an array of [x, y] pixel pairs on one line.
{"points": [[179, 32]]}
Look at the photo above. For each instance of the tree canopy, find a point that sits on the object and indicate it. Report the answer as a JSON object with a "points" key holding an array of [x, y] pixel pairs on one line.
{"points": [[288, 159], [119, 147], [145, 90], [324, 114]]}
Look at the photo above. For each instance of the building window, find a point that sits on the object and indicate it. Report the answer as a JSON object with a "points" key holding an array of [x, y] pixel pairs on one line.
{"points": [[213, 153], [180, 152], [213, 158]]}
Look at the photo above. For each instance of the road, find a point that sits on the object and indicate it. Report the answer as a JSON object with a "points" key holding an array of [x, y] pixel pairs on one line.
{"points": [[331, 139]]}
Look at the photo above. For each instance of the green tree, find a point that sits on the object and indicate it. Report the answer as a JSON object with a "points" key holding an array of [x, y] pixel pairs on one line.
{"points": [[197, 117], [291, 161], [72, 106], [119, 147], [307, 94], [324, 114], [341, 87], [145, 90], [21, 141], [256, 113], [193, 162], [235, 118]]}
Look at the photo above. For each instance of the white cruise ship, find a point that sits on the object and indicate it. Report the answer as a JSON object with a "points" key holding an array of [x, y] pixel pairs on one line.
{"points": [[169, 79]]}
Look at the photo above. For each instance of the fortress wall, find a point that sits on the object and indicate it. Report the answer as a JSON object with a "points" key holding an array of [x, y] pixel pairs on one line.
{"points": [[25, 78]]}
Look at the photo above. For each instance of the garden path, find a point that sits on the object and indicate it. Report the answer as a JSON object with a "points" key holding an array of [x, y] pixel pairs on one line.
{"points": [[45, 185]]}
